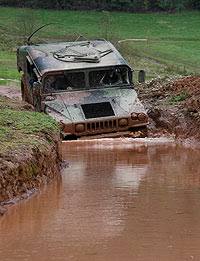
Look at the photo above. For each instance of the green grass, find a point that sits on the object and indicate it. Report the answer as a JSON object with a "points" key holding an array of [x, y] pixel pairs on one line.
{"points": [[181, 26], [177, 53], [178, 57], [8, 60], [26, 122], [178, 98], [20, 127], [9, 83], [173, 39]]}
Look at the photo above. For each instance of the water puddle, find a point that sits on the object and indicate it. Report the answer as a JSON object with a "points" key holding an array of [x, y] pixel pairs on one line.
{"points": [[119, 199]]}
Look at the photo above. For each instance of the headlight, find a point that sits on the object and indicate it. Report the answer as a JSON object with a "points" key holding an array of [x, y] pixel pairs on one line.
{"points": [[142, 116], [123, 122], [80, 127], [134, 116]]}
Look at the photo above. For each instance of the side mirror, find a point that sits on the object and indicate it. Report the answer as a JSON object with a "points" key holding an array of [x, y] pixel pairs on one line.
{"points": [[141, 76]]}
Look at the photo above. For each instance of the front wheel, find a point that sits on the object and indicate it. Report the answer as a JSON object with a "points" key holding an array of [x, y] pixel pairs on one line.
{"points": [[139, 132], [23, 91]]}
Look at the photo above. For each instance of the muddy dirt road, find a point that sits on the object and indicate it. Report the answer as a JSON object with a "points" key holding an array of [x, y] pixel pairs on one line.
{"points": [[118, 200], [10, 92]]}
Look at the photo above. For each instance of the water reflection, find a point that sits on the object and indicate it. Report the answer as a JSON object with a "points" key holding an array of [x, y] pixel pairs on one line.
{"points": [[118, 200]]}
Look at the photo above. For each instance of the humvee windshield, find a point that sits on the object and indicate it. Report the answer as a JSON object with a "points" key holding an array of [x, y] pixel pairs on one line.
{"points": [[64, 82], [76, 80], [110, 77]]}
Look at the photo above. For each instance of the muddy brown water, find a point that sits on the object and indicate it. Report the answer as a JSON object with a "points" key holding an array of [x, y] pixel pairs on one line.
{"points": [[118, 200]]}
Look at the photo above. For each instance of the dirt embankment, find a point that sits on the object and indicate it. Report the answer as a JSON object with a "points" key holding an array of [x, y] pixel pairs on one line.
{"points": [[30, 150], [22, 171], [173, 106]]}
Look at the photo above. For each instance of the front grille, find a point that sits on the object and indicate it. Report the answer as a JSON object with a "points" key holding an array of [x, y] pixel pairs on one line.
{"points": [[100, 126], [97, 110]]}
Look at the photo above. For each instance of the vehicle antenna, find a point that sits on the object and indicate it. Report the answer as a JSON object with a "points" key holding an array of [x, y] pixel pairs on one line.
{"points": [[70, 29]]}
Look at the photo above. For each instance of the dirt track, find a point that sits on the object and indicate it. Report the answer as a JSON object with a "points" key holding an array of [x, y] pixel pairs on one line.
{"points": [[10, 92]]}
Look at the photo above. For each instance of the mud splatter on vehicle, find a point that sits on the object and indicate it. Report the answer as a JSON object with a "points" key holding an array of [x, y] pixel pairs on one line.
{"points": [[86, 86]]}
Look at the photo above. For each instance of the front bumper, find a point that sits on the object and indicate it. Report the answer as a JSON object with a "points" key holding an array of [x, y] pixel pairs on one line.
{"points": [[104, 127]]}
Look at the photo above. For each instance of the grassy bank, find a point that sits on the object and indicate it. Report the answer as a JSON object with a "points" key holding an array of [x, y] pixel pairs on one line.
{"points": [[21, 128], [30, 150], [172, 46]]}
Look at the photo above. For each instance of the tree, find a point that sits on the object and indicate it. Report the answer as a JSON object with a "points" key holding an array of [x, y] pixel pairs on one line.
{"points": [[120, 5], [107, 5]]}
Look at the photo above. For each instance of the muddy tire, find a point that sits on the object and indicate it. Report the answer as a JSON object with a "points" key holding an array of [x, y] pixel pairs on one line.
{"points": [[144, 132], [23, 91], [140, 132]]}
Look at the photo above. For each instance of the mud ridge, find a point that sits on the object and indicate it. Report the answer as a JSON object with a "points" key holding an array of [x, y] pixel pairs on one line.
{"points": [[173, 105], [23, 172]]}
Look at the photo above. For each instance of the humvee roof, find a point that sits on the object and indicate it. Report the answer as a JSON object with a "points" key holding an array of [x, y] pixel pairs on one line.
{"points": [[56, 57]]}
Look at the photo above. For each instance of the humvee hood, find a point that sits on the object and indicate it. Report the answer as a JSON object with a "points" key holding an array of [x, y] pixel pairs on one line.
{"points": [[79, 106], [65, 56]]}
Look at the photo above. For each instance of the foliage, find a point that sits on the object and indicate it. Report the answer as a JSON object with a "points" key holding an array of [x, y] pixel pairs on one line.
{"points": [[180, 97], [197, 4], [177, 98], [107, 5]]}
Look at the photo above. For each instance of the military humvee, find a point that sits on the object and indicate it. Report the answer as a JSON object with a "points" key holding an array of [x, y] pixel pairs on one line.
{"points": [[87, 86]]}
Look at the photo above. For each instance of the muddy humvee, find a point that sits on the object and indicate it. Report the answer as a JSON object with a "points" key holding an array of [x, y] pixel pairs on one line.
{"points": [[86, 86]]}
